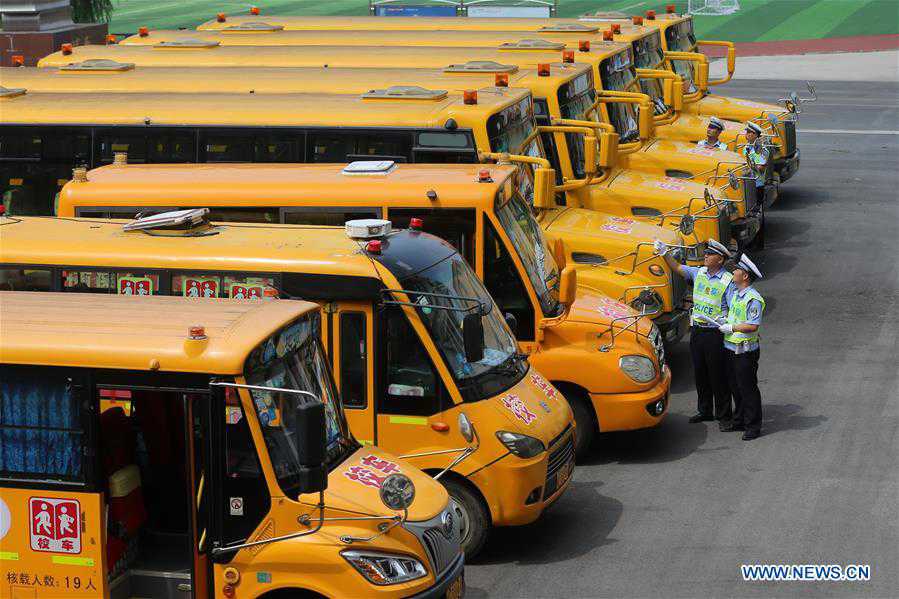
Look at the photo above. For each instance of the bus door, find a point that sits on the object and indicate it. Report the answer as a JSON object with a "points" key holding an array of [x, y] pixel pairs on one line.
{"points": [[352, 339], [414, 406]]}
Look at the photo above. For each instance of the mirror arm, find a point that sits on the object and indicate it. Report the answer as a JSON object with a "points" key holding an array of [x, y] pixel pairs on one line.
{"points": [[383, 529], [501, 157]]}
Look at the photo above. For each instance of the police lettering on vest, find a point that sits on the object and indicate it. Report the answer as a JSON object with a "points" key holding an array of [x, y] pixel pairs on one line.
{"points": [[708, 294]]}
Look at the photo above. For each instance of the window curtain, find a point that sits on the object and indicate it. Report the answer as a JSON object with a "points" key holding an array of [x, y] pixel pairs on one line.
{"points": [[40, 426]]}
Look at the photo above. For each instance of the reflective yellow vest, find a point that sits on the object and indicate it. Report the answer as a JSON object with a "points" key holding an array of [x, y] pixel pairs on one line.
{"points": [[707, 294], [736, 314]]}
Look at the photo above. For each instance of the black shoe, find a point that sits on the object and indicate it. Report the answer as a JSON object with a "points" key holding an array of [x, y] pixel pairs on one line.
{"points": [[750, 435], [700, 418], [726, 427]]}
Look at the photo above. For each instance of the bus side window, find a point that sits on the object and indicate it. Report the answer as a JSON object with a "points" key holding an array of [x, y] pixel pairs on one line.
{"points": [[503, 281], [455, 226], [43, 425], [413, 384], [336, 217], [353, 360], [24, 279], [354, 145], [244, 215], [123, 283]]}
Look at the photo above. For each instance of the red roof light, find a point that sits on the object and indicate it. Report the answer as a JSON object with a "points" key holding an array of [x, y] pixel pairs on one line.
{"points": [[567, 55], [583, 45], [470, 96], [66, 49]]}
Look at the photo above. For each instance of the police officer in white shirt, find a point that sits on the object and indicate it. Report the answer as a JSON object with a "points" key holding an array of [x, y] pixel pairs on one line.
{"points": [[712, 133], [711, 289], [745, 308]]}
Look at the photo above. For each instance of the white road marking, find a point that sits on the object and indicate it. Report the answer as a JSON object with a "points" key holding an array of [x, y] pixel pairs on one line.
{"points": [[624, 8], [852, 131]]}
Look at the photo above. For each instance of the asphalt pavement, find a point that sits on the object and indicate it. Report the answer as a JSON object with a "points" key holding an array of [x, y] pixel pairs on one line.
{"points": [[675, 511]]}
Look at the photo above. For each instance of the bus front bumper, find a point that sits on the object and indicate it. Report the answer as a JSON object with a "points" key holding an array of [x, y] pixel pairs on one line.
{"points": [[787, 166], [744, 229], [632, 411], [518, 490], [673, 326], [454, 577]]}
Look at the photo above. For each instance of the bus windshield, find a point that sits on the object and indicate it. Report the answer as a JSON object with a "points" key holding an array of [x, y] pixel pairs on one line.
{"points": [[648, 55], [519, 224], [680, 38], [501, 366], [617, 74], [293, 358], [514, 130], [576, 99]]}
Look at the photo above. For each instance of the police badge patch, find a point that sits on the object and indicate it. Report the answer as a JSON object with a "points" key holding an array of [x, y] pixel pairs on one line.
{"points": [[754, 310]]}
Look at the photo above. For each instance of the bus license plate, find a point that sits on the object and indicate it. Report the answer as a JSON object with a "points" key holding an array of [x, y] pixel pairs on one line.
{"points": [[456, 589]]}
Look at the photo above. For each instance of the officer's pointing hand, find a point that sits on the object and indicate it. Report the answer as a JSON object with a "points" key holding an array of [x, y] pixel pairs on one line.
{"points": [[660, 247], [727, 329]]}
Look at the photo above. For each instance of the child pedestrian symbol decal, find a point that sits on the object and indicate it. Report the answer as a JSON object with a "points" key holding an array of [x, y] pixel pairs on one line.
{"points": [[55, 525]]}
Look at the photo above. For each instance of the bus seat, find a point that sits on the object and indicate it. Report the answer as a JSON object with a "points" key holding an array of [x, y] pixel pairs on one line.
{"points": [[126, 501]]}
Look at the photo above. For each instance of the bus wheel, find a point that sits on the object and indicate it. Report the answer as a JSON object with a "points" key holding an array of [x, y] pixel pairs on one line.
{"points": [[472, 513], [586, 427]]}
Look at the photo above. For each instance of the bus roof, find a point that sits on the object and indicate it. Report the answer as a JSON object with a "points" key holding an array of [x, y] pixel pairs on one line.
{"points": [[456, 185], [317, 56], [236, 23], [277, 80], [137, 333], [249, 109], [338, 37]]}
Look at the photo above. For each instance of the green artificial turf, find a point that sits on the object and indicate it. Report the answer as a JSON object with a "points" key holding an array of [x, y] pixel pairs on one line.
{"points": [[757, 20]]}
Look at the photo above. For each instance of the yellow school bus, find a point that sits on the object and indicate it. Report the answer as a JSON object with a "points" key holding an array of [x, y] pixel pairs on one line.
{"points": [[231, 474], [410, 378], [649, 47], [613, 72], [434, 128], [780, 122], [709, 216], [484, 215]]}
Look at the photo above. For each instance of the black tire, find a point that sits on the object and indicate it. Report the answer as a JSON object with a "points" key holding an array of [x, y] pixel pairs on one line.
{"points": [[476, 521], [586, 425]]}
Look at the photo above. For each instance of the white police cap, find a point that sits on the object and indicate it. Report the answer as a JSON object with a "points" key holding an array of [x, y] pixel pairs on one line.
{"points": [[750, 126], [716, 123], [744, 263], [715, 247]]}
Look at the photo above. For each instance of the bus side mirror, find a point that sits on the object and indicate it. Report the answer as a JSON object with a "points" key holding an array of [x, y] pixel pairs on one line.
{"points": [[645, 120], [567, 286], [608, 149], [677, 95], [473, 337], [310, 427], [544, 188], [590, 154], [702, 76]]}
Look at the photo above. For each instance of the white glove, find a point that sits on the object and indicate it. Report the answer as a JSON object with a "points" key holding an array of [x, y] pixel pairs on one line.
{"points": [[727, 329], [660, 247]]}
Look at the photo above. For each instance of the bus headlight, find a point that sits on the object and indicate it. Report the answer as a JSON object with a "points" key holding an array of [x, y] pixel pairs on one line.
{"points": [[687, 223], [733, 181], [639, 368], [695, 252], [521, 445], [383, 568]]}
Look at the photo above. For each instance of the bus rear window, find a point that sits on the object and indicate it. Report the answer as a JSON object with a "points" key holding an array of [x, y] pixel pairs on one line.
{"points": [[42, 431]]}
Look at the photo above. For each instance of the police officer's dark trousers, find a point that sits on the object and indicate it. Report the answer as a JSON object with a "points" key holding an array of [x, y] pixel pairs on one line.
{"points": [[710, 371], [744, 384]]}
